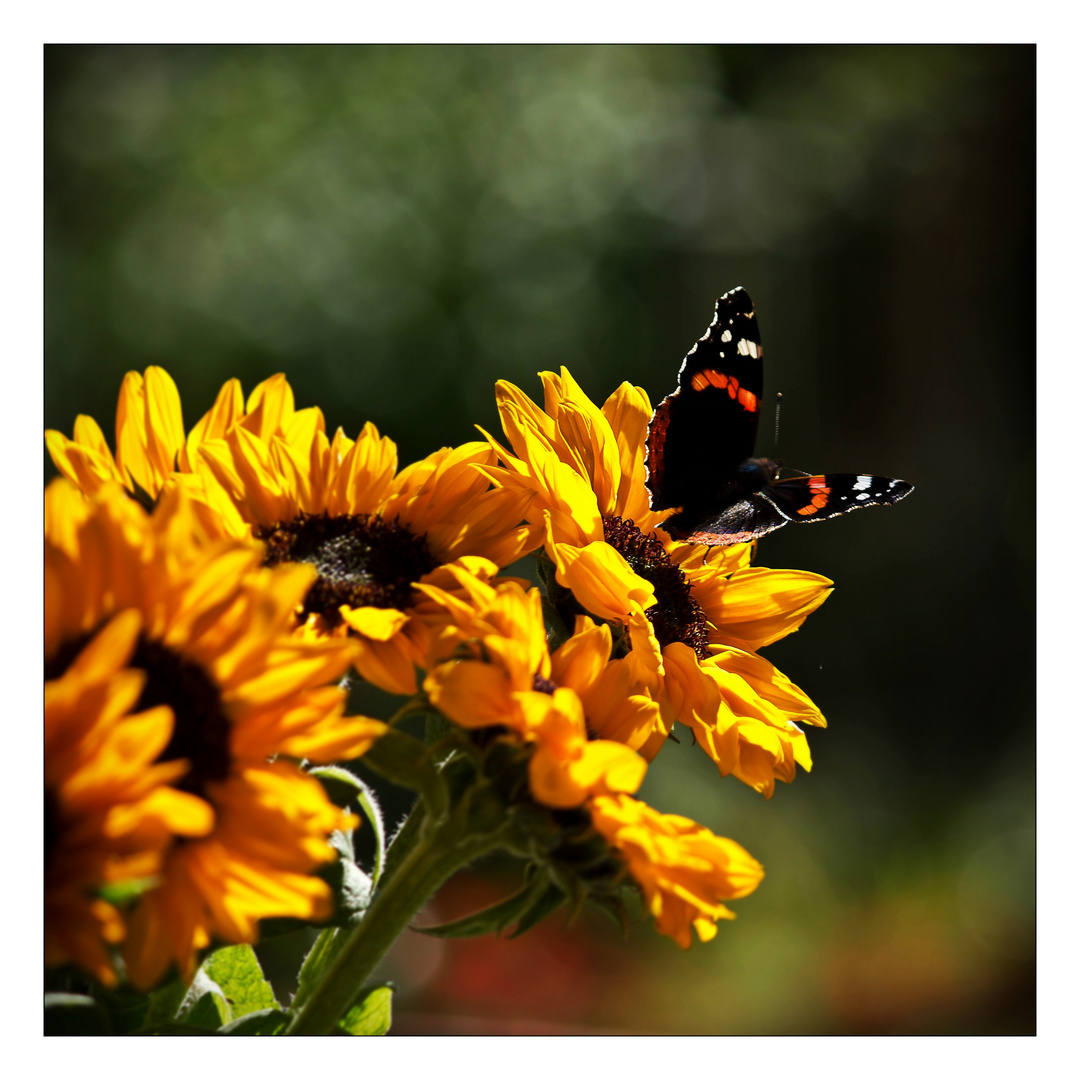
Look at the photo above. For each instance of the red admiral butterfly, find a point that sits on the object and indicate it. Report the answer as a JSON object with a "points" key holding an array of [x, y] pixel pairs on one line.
{"points": [[700, 439]]}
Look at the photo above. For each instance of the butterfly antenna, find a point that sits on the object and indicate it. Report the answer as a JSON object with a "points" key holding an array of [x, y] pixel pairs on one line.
{"points": [[776, 433]]}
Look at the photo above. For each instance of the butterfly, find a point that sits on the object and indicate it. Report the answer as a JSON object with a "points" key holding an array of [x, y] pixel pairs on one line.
{"points": [[701, 438]]}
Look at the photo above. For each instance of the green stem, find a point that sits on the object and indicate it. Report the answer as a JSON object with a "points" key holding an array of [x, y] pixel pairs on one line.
{"points": [[439, 852], [418, 703]]}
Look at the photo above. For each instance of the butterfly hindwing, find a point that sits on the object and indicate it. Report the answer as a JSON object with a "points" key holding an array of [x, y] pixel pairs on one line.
{"points": [[700, 433], [742, 521]]}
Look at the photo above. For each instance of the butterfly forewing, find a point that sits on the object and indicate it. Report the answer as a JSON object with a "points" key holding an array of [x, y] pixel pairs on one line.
{"points": [[818, 498], [707, 427], [701, 441]]}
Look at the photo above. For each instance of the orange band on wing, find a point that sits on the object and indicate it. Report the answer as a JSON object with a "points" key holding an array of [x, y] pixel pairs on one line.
{"points": [[819, 497], [711, 377]]}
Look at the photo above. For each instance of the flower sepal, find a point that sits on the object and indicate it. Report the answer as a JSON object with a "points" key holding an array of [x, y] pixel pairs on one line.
{"points": [[500, 916]]}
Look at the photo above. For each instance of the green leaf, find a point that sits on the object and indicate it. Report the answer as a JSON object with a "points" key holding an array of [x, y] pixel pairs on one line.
{"points": [[352, 887], [120, 893], [165, 1003], [405, 760], [551, 899], [178, 1027], [436, 728], [263, 1022], [316, 963], [205, 1004], [75, 1014], [343, 787], [126, 1006], [370, 1016], [491, 920], [236, 970]]}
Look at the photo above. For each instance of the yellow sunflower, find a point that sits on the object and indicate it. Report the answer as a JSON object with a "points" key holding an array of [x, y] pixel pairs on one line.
{"points": [[109, 809], [490, 667], [268, 470], [370, 531], [683, 869], [151, 447], [152, 451], [692, 618], [199, 650]]}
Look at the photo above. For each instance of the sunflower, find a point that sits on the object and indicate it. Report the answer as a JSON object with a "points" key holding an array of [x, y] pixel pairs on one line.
{"points": [[110, 811], [490, 667], [184, 641], [267, 470], [151, 446], [692, 619], [369, 531], [684, 870]]}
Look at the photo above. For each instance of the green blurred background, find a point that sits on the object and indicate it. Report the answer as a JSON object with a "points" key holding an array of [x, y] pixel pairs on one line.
{"points": [[397, 228]]}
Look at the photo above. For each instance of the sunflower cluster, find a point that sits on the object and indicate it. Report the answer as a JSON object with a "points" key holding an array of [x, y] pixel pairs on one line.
{"points": [[208, 592]]}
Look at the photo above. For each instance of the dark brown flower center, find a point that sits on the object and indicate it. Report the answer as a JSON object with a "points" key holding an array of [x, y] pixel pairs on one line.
{"points": [[544, 686], [676, 615], [201, 728], [362, 560]]}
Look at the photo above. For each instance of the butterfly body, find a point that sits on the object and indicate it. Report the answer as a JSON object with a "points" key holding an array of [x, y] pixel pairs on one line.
{"points": [[700, 444]]}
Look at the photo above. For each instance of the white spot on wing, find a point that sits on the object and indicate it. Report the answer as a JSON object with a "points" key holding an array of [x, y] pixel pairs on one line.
{"points": [[748, 347], [862, 483], [726, 335]]}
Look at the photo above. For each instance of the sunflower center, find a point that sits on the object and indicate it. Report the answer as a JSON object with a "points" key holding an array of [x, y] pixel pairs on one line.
{"points": [[676, 615], [201, 728], [544, 686], [362, 560]]}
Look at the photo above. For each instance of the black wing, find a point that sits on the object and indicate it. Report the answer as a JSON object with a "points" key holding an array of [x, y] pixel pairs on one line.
{"points": [[818, 498], [800, 498], [702, 432]]}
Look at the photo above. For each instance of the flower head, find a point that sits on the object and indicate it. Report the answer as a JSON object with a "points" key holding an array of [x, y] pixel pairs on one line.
{"points": [[692, 619], [268, 471], [110, 811], [156, 629], [683, 869], [490, 667], [369, 531]]}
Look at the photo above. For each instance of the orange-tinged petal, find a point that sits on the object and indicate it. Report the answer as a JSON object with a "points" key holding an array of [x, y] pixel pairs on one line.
{"points": [[628, 412], [365, 476], [473, 694], [770, 684], [683, 869], [523, 411], [390, 665], [609, 765], [132, 461], [164, 423], [600, 578], [270, 407], [578, 662], [228, 407], [379, 624], [758, 606], [268, 501], [84, 467]]}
